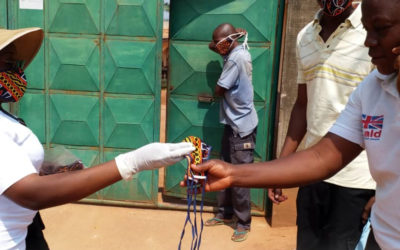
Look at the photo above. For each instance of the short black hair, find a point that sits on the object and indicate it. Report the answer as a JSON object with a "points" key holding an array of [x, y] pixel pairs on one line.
{"points": [[224, 29]]}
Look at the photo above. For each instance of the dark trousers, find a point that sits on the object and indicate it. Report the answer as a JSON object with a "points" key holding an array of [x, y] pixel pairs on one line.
{"points": [[236, 200], [371, 242], [35, 239], [329, 216]]}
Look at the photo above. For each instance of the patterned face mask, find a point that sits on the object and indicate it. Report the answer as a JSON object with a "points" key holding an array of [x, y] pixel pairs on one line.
{"points": [[12, 85], [223, 46], [335, 7]]}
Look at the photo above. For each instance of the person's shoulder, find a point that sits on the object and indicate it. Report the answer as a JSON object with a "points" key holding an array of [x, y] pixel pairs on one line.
{"points": [[308, 29], [355, 33], [306, 35], [4, 123], [6, 135], [12, 130], [371, 83], [239, 55], [5, 127], [236, 56]]}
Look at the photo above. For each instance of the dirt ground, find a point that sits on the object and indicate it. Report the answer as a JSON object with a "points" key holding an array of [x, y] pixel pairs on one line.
{"points": [[87, 227]]}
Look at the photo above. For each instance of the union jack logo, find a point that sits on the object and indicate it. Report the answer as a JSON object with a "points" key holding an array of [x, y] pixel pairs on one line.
{"points": [[372, 122]]}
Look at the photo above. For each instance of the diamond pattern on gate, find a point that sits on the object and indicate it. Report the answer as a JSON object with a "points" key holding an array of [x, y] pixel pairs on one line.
{"points": [[128, 123], [131, 17], [74, 120], [129, 67], [190, 16], [74, 16], [74, 63]]}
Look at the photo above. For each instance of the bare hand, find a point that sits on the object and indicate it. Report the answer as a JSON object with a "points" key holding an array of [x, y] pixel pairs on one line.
{"points": [[218, 174], [276, 195], [367, 210]]}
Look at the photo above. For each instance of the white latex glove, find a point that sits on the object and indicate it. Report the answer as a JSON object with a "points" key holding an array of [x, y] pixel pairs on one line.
{"points": [[151, 156]]}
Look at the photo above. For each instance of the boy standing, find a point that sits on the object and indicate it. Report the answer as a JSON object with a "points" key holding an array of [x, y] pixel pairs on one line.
{"points": [[239, 116]]}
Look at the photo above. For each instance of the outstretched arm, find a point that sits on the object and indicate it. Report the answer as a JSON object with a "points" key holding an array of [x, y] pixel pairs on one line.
{"points": [[316, 163], [37, 192]]}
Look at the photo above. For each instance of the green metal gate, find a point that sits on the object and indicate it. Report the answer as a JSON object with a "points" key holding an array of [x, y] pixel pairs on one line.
{"points": [[3, 14], [95, 85], [194, 71]]}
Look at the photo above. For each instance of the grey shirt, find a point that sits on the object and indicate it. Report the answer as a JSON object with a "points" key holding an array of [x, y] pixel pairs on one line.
{"points": [[237, 107]]}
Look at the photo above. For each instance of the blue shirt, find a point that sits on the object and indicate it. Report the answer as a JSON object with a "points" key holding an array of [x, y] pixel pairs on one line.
{"points": [[237, 107]]}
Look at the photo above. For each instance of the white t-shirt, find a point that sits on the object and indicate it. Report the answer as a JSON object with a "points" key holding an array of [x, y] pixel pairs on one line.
{"points": [[372, 120], [332, 70], [21, 154]]}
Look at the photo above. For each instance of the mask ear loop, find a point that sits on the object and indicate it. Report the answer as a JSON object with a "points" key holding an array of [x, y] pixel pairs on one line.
{"points": [[239, 35], [245, 42]]}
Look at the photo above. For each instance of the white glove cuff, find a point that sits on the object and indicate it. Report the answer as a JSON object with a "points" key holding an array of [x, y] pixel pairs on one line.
{"points": [[125, 171]]}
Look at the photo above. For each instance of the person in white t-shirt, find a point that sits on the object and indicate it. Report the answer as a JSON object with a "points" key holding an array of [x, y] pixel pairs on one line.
{"points": [[370, 121], [22, 190]]}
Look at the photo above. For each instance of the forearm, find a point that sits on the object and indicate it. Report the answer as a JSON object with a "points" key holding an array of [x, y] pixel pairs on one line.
{"points": [[296, 131], [37, 192], [57, 189], [314, 164], [290, 145], [282, 173]]}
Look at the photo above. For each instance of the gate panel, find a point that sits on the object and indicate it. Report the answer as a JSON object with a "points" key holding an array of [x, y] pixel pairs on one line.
{"points": [[74, 63], [74, 120], [139, 189], [198, 68], [188, 17], [74, 16], [3, 14], [201, 123], [120, 15], [120, 129], [194, 71], [29, 18], [32, 109], [130, 62]]}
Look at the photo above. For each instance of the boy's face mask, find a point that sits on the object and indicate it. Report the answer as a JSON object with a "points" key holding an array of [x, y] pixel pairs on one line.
{"points": [[224, 46], [12, 85], [335, 7]]}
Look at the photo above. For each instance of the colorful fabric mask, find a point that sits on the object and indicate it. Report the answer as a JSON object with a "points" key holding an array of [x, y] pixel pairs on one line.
{"points": [[335, 7], [12, 85], [223, 46]]}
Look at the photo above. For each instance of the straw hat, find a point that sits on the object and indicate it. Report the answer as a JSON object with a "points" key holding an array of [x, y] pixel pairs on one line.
{"points": [[27, 43]]}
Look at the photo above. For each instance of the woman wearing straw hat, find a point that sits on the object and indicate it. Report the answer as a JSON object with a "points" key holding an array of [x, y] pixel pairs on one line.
{"points": [[22, 190]]}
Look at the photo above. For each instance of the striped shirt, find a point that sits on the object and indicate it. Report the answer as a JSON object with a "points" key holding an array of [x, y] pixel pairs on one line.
{"points": [[332, 70]]}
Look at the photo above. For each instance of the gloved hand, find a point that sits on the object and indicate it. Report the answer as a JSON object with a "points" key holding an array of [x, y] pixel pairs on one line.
{"points": [[151, 156]]}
